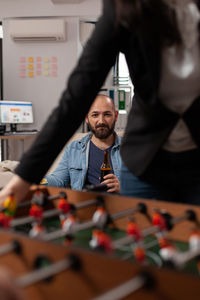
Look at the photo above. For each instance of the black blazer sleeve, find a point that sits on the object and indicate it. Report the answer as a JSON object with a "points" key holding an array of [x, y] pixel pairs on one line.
{"points": [[84, 83]]}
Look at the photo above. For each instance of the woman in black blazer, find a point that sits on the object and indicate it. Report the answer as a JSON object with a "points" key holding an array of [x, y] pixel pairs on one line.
{"points": [[160, 40]]}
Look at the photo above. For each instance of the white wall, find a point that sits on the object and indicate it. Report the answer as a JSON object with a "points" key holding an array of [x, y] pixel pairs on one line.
{"points": [[30, 8], [44, 92]]}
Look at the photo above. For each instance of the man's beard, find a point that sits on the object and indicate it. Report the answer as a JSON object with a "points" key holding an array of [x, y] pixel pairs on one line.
{"points": [[102, 131]]}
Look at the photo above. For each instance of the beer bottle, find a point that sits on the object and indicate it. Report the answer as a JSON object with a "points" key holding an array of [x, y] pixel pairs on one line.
{"points": [[105, 167]]}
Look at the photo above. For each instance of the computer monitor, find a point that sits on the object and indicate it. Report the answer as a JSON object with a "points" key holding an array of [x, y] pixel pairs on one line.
{"points": [[16, 112]]}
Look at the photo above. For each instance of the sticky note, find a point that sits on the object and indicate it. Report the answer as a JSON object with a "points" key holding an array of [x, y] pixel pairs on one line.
{"points": [[46, 66], [38, 58], [54, 66], [46, 73], [54, 59], [22, 59], [30, 59], [46, 59], [22, 67], [30, 66], [30, 74]]}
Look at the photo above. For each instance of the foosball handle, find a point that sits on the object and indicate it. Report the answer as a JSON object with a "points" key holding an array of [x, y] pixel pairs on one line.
{"points": [[191, 215], [96, 188]]}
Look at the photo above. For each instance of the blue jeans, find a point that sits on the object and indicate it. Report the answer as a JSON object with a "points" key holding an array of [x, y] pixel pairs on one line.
{"points": [[130, 185], [171, 177]]}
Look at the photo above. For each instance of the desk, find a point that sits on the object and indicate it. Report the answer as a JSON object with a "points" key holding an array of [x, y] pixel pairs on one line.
{"points": [[5, 138]]}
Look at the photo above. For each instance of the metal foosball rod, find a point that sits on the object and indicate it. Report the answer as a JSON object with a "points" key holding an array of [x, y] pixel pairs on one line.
{"points": [[99, 220], [169, 224], [72, 262], [189, 215], [142, 280], [159, 225], [130, 239], [179, 259], [45, 199], [13, 246], [56, 212], [64, 210], [50, 213], [101, 241], [10, 206], [140, 207], [40, 198]]}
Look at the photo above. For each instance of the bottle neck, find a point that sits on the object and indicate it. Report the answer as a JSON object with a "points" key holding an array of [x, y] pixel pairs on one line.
{"points": [[106, 163]]}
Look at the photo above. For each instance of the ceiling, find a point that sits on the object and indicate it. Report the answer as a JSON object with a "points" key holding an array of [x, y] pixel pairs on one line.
{"points": [[67, 1]]}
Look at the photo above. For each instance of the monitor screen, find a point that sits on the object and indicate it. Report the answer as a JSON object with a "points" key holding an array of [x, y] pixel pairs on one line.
{"points": [[16, 112]]}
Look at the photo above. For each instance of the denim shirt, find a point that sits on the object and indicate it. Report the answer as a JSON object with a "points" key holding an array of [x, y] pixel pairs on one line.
{"points": [[72, 169]]}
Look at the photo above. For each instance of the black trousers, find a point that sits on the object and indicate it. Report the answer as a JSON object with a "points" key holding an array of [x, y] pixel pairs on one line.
{"points": [[171, 177], [176, 176]]}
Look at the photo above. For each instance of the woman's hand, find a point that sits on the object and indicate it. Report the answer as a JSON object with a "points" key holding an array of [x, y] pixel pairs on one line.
{"points": [[17, 186]]}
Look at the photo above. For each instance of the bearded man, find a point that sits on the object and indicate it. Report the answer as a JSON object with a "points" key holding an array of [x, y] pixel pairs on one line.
{"points": [[82, 159]]}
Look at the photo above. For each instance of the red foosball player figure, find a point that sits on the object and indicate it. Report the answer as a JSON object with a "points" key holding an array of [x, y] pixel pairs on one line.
{"points": [[37, 229], [64, 205], [138, 247], [134, 231], [5, 220], [36, 211], [100, 240], [163, 242], [139, 252], [158, 220]]}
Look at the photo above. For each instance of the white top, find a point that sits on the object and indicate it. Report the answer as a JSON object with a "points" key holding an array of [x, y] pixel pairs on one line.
{"points": [[180, 73]]}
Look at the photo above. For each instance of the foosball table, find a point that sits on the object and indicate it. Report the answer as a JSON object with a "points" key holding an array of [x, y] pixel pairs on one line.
{"points": [[61, 243]]}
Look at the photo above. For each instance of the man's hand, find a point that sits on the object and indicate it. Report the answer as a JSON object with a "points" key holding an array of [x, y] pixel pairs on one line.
{"points": [[112, 183], [17, 186]]}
